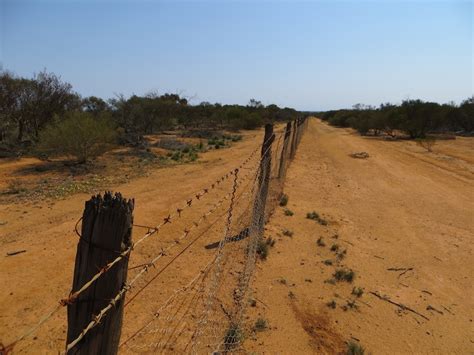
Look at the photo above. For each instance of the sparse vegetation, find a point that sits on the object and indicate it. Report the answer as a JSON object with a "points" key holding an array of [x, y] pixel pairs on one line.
{"points": [[341, 255], [15, 187], [80, 135], [351, 304], [260, 325], [413, 118], [354, 348], [344, 275], [270, 241], [283, 200], [357, 291], [287, 233], [262, 249], [426, 143], [316, 217]]}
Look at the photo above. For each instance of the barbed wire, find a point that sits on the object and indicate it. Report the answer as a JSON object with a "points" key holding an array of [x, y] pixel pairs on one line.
{"points": [[150, 232]]}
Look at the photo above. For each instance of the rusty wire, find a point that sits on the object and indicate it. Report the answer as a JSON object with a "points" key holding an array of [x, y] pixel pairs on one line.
{"points": [[151, 231]]}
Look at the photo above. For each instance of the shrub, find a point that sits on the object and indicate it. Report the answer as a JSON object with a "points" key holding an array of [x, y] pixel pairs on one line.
{"points": [[344, 275], [357, 291], [79, 135], [312, 215], [327, 262], [320, 242], [288, 212], [341, 254], [287, 233], [283, 200], [331, 304], [270, 241], [427, 143], [15, 187], [260, 325], [355, 349], [262, 249], [315, 217], [335, 247]]}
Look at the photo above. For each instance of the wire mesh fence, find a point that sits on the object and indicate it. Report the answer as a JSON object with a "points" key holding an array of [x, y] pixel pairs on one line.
{"points": [[220, 238]]}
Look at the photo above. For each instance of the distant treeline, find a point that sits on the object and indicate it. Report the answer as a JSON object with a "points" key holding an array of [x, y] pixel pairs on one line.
{"points": [[29, 105], [415, 118]]}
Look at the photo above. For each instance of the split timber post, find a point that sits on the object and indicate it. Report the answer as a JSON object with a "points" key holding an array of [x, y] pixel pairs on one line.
{"points": [[264, 177], [284, 151], [300, 128], [106, 232], [293, 140]]}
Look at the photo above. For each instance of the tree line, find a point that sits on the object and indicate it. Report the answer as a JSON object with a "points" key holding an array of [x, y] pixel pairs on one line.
{"points": [[30, 106], [415, 118]]}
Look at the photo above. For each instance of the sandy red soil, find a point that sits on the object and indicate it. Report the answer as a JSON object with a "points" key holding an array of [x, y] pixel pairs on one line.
{"points": [[401, 208]]}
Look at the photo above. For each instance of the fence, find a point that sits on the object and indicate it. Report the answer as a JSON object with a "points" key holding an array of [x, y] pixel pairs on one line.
{"points": [[205, 312]]}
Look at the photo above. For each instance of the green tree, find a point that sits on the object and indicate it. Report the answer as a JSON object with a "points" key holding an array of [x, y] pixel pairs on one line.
{"points": [[80, 135]]}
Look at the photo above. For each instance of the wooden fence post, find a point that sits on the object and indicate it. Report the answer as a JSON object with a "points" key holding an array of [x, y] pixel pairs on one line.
{"points": [[106, 232], [264, 177], [293, 140], [284, 151]]}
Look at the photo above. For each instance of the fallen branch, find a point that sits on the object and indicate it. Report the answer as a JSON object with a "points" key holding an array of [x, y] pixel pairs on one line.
{"points": [[16, 252], [404, 269], [402, 306], [447, 310], [431, 308]]}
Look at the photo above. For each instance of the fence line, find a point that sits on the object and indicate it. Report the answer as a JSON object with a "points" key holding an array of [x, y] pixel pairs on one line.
{"points": [[210, 303]]}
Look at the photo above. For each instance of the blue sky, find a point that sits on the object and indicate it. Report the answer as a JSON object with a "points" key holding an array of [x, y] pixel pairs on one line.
{"points": [[311, 55]]}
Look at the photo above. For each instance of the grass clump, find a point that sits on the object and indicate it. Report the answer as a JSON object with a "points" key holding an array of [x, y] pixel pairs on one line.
{"points": [[341, 254], [283, 200], [15, 187], [287, 233], [344, 275], [357, 291], [354, 348], [316, 217], [260, 325], [262, 249], [320, 242], [270, 241], [288, 212]]}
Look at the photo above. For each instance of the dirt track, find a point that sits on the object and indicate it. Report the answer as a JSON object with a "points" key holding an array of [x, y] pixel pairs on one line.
{"points": [[400, 208]]}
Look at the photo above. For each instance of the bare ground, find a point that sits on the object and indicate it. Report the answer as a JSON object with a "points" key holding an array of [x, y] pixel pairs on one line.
{"points": [[401, 208]]}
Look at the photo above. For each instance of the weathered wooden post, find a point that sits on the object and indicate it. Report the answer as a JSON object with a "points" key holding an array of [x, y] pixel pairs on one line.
{"points": [[106, 232], [264, 177], [284, 151], [293, 139]]}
